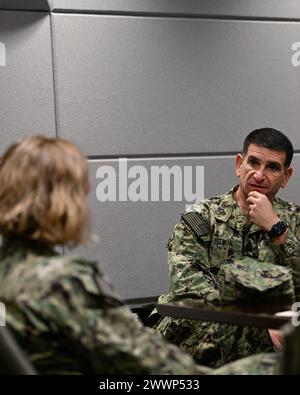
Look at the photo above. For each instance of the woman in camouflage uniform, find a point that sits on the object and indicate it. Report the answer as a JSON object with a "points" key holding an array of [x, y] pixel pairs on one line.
{"points": [[63, 310]]}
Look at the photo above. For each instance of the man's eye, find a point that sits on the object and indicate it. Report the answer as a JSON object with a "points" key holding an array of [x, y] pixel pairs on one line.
{"points": [[274, 167], [253, 162]]}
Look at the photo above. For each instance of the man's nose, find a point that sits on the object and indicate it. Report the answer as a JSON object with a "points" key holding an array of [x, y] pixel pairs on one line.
{"points": [[259, 175]]}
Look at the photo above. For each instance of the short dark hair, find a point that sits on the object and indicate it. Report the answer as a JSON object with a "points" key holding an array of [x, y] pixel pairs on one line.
{"points": [[272, 139]]}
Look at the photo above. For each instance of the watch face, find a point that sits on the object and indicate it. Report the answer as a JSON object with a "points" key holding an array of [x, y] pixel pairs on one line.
{"points": [[281, 227]]}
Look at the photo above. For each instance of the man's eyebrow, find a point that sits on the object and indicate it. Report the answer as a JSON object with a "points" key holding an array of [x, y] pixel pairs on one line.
{"points": [[252, 157], [269, 162]]}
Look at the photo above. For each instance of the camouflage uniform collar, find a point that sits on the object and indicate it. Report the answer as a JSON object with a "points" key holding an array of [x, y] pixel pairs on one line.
{"points": [[226, 206], [11, 246], [277, 203], [230, 212]]}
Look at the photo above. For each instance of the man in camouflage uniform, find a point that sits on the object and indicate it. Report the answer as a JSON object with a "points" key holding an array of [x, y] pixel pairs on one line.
{"points": [[247, 221]]}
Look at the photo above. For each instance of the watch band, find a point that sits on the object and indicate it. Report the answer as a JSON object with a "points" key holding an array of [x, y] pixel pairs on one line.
{"points": [[277, 230]]}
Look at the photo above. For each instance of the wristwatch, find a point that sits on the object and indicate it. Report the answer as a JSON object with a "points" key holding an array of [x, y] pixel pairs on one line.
{"points": [[277, 230]]}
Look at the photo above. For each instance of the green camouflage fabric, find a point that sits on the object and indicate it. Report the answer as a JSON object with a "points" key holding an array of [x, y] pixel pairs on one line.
{"points": [[194, 264], [68, 319], [286, 363], [248, 280], [295, 266], [290, 361], [259, 364]]}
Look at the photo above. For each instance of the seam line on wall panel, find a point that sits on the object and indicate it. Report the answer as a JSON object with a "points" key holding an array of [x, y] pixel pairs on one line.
{"points": [[53, 78], [176, 15], [161, 155], [169, 156], [158, 15]]}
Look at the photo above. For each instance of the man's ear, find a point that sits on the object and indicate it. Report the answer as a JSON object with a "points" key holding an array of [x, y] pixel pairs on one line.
{"points": [[287, 175], [238, 162]]}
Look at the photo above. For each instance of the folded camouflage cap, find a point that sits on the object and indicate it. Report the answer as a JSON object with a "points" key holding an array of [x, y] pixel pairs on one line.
{"points": [[248, 279]]}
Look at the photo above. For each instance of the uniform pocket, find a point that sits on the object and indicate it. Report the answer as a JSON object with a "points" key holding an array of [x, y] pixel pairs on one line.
{"points": [[224, 251], [220, 251]]}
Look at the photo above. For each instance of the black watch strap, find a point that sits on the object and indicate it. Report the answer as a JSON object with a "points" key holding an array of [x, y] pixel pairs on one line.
{"points": [[277, 230]]}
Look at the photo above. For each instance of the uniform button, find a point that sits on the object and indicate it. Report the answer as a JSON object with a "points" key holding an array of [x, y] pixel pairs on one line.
{"points": [[290, 250]]}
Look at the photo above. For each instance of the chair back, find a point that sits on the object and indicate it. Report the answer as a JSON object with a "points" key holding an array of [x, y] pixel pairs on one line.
{"points": [[12, 359]]}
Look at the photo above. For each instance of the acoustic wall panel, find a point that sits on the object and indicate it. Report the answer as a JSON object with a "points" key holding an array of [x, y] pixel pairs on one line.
{"points": [[132, 235], [291, 192], [26, 77], [37, 5], [228, 8], [139, 85]]}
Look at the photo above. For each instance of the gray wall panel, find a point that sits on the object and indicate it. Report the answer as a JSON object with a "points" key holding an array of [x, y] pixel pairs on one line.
{"points": [[137, 85], [26, 77], [253, 8], [133, 235], [292, 192], [38, 5]]}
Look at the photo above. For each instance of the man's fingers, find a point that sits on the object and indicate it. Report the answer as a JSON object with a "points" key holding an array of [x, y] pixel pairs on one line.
{"points": [[277, 339], [251, 200], [255, 197], [255, 194]]}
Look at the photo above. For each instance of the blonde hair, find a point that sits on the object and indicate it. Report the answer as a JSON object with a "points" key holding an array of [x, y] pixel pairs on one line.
{"points": [[43, 190]]}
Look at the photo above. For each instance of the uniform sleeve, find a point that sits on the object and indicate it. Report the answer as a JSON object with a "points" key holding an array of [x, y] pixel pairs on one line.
{"points": [[190, 274], [289, 249], [95, 327]]}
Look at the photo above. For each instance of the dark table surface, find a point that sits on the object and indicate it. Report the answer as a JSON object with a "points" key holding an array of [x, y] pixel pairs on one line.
{"points": [[260, 315]]}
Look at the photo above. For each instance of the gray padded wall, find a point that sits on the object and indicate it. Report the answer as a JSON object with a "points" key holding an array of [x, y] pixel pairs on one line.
{"points": [[26, 77], [222, 8], [36, 5], [133, 235], [291, 192], [141, 85]]}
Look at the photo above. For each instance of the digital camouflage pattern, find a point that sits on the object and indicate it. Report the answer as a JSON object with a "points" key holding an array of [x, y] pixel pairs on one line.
{"points": [[194, 264], [258, 364], [248, 280], [68, 319], [290, 361], [286, 363], [295, 265]]}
